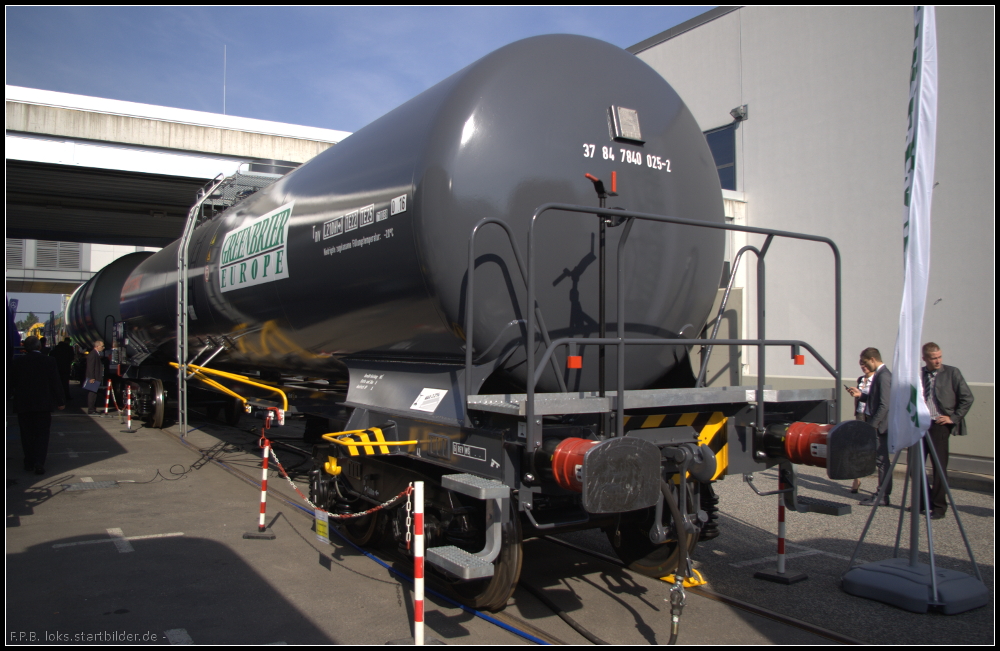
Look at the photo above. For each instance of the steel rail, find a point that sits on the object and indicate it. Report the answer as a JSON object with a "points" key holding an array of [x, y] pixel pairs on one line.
{"points": [[729, 601]]}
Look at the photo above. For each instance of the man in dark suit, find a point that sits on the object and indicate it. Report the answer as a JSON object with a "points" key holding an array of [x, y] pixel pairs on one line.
{"points": [[877, 415], [36, 391], [949, 399], [63, 354]]}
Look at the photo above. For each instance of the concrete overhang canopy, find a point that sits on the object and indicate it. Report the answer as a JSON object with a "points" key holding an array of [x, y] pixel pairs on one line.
{"points": [[87, 169]]}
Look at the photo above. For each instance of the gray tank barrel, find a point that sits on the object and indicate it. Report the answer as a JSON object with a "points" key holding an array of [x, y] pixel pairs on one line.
{"points": [[362, 251], [96, 305]]}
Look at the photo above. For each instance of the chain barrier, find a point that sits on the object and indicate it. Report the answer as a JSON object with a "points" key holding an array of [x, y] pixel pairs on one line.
{"points": [[409, 520], [374, 509], [347, 516]]}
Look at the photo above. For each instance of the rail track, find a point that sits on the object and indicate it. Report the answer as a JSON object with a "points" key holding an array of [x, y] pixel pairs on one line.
{"points": [[212, 455]]}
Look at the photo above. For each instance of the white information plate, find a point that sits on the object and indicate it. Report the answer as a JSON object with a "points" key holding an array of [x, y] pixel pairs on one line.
{"points": [[429, 399]]}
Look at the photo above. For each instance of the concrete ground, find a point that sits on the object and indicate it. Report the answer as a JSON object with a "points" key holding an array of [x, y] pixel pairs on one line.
{"points": [[160, 552], [820, 546]]}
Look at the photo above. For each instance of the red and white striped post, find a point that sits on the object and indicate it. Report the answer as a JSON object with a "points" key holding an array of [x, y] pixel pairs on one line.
{"points": [[128, 406], [262, 533], [781, 528], [418, 563], [107, 397], [780, 576], [263, 485]]}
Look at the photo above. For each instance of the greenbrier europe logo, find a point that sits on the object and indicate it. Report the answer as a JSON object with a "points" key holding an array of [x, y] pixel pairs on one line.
{"points": [[256, 252]]}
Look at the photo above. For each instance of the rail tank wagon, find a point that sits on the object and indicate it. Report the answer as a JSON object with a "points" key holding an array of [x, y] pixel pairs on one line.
{"points": [[346, 284], [369, 255]]}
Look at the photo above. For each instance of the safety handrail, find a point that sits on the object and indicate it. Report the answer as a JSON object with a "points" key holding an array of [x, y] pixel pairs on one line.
{"points": [[238, 378], [584, 341], [182, 285], [358, 444], [470, 295], [722, 311], [534, 433], [219, 387]]}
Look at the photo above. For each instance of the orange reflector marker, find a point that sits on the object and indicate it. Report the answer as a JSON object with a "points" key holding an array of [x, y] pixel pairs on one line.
{"points": [[574, 361], [614, 181], [800, 360]]}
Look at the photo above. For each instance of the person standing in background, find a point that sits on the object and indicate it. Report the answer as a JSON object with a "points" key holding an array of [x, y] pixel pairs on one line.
{"points": [[36, 391], [877, 415], [95, 373], [63, 354], [948, 399], [864, 384]]}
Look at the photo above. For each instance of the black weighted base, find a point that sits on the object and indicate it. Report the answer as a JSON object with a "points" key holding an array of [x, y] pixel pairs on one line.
{"points": [[784, 579]]}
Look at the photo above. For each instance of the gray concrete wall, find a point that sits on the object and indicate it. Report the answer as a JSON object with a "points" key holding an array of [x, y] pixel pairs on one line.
{"points": [[47, 120], [822, 153]]}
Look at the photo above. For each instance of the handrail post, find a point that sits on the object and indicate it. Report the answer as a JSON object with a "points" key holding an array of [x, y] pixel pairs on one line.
{"points": [[722, 309], [182, 300], [761, 334], [534, 438], [838, 333], [620, 272]]}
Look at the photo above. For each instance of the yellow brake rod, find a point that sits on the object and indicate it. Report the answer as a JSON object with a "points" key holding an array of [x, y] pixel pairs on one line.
{"points": [[215, 385], [238, 378]]}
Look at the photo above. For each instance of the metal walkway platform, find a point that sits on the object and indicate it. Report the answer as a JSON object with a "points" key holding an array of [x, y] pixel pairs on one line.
{"points": [[589, 402]]}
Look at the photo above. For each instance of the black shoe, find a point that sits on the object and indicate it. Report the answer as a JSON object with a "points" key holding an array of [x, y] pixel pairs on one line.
{"points": [[39, 470], [937, 516], [91, 411], [29, 465], [873, 500]]}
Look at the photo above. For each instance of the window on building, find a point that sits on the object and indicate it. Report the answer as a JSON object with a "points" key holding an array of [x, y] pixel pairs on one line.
{"points": [[722, 142]]}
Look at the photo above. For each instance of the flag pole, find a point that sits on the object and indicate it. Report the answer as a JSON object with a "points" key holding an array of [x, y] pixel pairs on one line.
{"points": [[909, 584]]}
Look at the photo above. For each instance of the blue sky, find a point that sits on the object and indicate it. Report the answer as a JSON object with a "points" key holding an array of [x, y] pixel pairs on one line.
{"points": [[335, 67]]}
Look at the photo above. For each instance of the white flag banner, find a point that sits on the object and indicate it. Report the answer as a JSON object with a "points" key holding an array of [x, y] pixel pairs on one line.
{"points": [[908, 415]]}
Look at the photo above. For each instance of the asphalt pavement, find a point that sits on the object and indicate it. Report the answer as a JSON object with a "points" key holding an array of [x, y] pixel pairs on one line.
{"points": [[131, 535]]}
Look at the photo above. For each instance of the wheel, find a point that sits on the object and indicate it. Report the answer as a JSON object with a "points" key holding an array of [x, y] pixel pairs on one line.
{"points": [[233, 411], [630, 540], [493, 593], [156, 418], [361, 530]]}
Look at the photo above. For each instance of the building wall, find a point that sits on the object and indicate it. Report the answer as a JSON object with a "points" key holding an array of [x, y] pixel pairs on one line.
{"points": [[821, 152], [47, 267], [101, 255]]}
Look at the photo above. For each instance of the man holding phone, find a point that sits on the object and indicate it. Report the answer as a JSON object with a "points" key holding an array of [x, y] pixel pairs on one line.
{"points": [[876, 403]]}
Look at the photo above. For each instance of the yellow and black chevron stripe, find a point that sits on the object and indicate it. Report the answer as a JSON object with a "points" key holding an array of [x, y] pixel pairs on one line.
{"points": [[711, 428], [372, 435]]}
